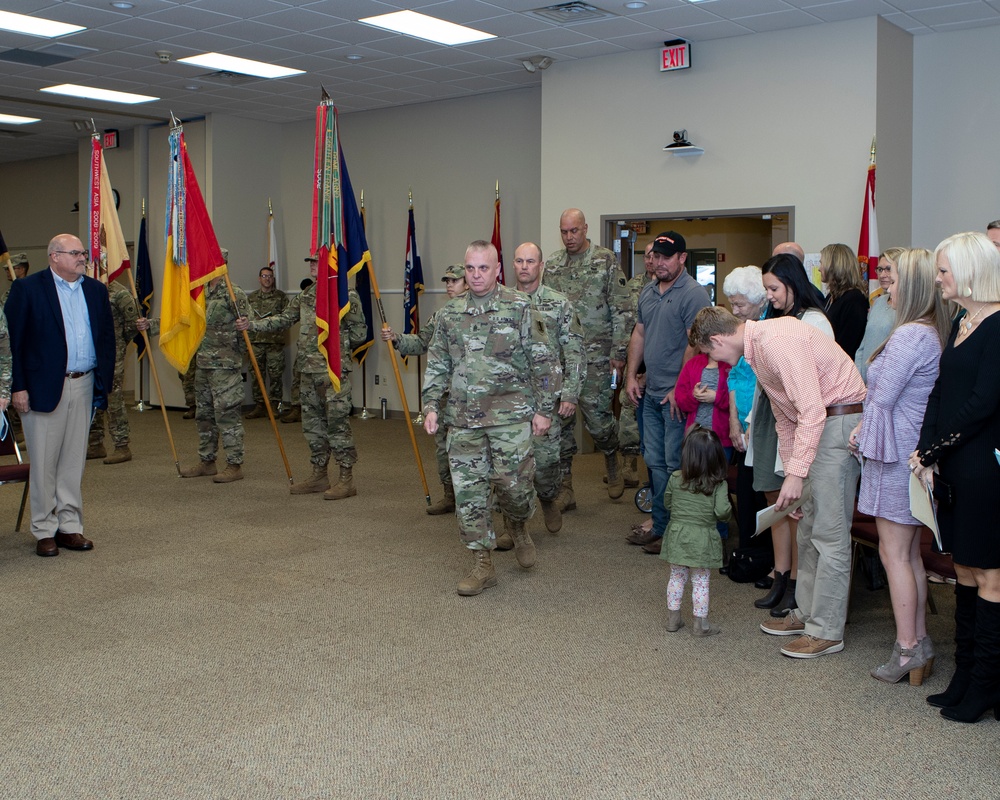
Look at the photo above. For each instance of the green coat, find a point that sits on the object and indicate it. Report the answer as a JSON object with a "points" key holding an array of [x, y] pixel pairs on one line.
{"points": [[692, 540]]}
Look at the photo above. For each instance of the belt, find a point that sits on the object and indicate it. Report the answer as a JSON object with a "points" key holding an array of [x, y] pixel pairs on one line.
{"points": [[78, 374], [844, 408]]}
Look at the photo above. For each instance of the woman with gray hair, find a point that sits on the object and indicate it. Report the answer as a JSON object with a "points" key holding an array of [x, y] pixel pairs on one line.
{"points": [[745, 291]]}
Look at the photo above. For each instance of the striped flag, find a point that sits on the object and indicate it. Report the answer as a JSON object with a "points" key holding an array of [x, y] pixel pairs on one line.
{"points": [[868, 250], [107, 242]]}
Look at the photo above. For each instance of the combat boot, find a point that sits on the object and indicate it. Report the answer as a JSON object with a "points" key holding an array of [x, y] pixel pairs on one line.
{"points": [[294, 414], [189, 414], [616, 481], [204, 468], [504, 541], [631, 472], [446, 505], [552, 514], [524, 548], [120, 456], [344, 487], [483, 576], [96, 451], [232, 472], [257, 412], [566, 500], [319, 481]]}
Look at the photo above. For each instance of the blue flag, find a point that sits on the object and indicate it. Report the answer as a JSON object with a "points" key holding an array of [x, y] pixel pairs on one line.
{"points": [[363, 285], [143, 282], [413, 281]]}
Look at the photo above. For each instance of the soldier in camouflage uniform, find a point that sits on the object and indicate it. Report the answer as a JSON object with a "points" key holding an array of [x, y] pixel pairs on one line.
{"points": [[590, 277], [268, 347], [294, 411], [6, 364], [490, 354], [415, 344], [566, 341], [219, 383], [325, 413], [20, 265], [125, 314], [187, 384]]}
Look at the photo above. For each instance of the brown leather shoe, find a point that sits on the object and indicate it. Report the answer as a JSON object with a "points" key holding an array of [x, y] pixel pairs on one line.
{"points": [[47, 547], [653, 548], [641, 538], [73, 541]]}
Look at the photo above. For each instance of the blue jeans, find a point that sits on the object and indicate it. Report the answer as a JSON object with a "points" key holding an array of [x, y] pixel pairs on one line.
{"points": [[661, 439]]}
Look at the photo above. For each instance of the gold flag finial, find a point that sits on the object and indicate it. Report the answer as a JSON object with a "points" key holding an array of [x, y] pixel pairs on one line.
{"points": [[498, 188], [362, 198], [873, 150], [411, 196], [144, 207], [270, 211]]}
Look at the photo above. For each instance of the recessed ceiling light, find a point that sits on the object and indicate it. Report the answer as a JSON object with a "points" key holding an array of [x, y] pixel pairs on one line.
{"points": [[36, 26], [90, 93], [192, 88], [424, 27], [122, 4], [354, 57], [13, 119], [635, 5], [243, 66]]}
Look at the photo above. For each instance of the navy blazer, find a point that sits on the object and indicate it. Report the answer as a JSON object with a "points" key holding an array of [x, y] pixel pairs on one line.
{"points": [[38, 339]]}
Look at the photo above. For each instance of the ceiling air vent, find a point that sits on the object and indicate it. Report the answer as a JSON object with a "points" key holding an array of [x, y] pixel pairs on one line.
{"points": [[46, 56], [227, 78], [569, 13]]}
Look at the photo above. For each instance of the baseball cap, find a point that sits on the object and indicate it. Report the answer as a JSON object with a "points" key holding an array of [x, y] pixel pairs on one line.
{"points": [[19, 259], [668, 243], [454, 272], [311, 258]]}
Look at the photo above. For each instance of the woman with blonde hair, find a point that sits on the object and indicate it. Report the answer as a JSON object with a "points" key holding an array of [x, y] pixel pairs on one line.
{"points": [[902, 373], [847, 301], [956, 457], [881, 316]]}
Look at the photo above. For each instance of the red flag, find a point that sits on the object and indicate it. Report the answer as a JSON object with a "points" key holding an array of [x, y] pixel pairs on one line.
{"points": [[496, 233], [868, 251]]}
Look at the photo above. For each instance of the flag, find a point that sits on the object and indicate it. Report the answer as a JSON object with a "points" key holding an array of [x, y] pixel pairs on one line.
{"points": [[338, 236], [5, 258], [363, 285], [107, 242], [868, 251], [496, 233], [143, 282], [193, 259], [272, 245], [413, 281]]}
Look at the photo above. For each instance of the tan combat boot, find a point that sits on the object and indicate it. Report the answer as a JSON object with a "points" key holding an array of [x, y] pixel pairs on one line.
{"points": [[96, 451], [446, 505], [232, 472], [319, 481], [616, 481], [344, 487], [566, 500], [120, 456], [189, 414], [631, 472], [504, 541], [204, 468], [483, 576], [524, 548], [552, 514], [294, 415], [257, 412]]}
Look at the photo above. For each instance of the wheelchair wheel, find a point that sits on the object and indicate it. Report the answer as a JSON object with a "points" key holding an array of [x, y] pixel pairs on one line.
{"points": [[644, 499]]}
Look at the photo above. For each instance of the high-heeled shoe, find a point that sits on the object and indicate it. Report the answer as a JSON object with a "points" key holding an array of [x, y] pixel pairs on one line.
{"points": [[984, 688], [927, 648], [777, 593], [965, 643], [894, 671], [787, 604]]}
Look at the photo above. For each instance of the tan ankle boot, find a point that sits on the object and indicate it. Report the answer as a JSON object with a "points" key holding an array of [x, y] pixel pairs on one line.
{"points": [[120, 456], [232, 472], [566, 500], [631, 472], [483, 576], [256, 412], [616, 481], [552, 515], [319, 481], [524, 548], [294, 414], [96, 451], [674, 621], [702, 627], [446, 505], [344, 487], [204, 468]]}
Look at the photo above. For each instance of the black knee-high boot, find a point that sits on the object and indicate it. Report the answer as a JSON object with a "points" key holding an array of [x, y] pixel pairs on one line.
{"points": [[984, 689], [965, 642]]}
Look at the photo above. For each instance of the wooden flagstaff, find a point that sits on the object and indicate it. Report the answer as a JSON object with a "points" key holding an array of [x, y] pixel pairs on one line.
{"points": [[260, 380]]}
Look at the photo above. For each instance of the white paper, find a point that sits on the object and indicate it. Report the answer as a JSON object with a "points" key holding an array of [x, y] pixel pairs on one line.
{"points": [[922, 507], [766, 517]]}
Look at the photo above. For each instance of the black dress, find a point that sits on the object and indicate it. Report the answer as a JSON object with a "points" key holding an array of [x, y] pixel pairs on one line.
{"points": [[848, 316], [961, 428]]}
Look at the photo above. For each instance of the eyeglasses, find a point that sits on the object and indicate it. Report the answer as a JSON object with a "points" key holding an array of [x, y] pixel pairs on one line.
{"points": [[883, 270], [74, 253]]}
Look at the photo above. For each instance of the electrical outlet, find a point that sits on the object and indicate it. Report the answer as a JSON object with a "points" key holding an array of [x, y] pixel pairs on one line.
{"points": [[376, 380]]}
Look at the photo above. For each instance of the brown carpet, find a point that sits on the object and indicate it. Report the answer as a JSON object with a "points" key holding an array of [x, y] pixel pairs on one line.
{"points": [[232, 641]]}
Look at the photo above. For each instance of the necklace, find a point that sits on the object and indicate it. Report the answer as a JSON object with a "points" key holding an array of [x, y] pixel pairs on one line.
{"points": [[967, 323]]}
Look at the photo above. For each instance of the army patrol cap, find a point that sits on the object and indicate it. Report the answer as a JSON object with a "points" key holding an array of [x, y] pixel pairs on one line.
{"points": [[668, 243], [454, 272], [314, 259], [19, 260]]}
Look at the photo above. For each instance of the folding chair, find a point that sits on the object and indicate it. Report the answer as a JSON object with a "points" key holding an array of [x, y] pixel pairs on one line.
{"points": [[14, 473]]}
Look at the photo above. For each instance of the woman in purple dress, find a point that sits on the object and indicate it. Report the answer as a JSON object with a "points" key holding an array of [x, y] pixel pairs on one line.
{"points": [[901, 375]]}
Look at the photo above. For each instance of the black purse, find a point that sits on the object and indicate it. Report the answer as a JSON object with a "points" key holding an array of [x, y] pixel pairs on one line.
{"points": [[749, 564]]}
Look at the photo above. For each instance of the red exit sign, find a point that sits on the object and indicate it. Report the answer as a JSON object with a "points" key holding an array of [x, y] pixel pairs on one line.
{"points": [[676, 54], [110, 138]]}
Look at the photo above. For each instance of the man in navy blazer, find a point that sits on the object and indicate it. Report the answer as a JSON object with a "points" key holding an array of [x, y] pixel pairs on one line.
{"points": [[63, 345]]}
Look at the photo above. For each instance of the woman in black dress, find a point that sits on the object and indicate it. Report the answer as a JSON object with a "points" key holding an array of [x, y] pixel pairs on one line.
{"points": [[956, 452], [847, 301]]}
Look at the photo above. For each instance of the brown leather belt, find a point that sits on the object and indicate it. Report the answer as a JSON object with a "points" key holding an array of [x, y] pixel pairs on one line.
{"points": [[78, 374], [847, 408]]}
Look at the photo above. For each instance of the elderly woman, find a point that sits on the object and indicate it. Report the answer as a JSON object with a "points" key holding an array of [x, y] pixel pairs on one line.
{"points": [[881, 316], [903, 371], [745, 292], [956, 456], [847, 301]]}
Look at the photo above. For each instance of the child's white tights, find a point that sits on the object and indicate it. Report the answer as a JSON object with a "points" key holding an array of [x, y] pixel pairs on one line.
{"points": [[699, 589]]}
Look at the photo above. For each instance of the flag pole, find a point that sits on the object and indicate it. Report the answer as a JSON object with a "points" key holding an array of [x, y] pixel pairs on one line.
{"points": [[364, 364], [140, 406], [399, 384], [156, 377], [260, 380]]}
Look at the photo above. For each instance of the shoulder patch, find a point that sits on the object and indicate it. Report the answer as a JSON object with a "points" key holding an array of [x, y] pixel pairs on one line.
{"points": [[621, 280]]}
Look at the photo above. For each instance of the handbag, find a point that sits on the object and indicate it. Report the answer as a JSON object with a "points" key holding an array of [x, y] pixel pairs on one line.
{"points": [[749, 564]]}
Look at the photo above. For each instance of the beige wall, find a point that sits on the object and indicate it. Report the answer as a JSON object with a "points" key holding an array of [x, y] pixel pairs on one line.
{"points": [[36, 198], [894, 151]]}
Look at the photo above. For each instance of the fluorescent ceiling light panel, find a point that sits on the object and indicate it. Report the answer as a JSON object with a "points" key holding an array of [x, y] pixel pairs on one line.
{"points": [[107, 95], [13, 119], [36, 26], [244, 66], [423, 27]]}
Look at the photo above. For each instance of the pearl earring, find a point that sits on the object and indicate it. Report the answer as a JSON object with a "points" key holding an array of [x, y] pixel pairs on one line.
{"points": [[967, 291]]}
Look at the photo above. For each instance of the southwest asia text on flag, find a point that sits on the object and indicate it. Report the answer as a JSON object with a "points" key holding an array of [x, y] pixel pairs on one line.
{"points": [[107, 242]]}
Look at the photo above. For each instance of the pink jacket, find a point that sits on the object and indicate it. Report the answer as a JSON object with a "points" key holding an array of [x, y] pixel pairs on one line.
{"points": [[684, 394]]}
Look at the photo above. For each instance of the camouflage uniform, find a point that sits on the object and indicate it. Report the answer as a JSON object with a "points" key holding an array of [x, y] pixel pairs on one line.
{"points": [[187, 383], [628, 427], [325, 413], [219, 379], [491, 356], [566, 341], [595, 286], [6, 360], [124, 312], [269, 348]]}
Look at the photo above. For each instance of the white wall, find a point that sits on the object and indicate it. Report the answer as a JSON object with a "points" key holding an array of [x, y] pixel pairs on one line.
{"points": [[36, 199], [894, 173]]}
